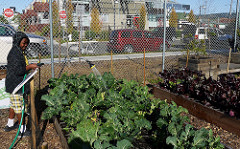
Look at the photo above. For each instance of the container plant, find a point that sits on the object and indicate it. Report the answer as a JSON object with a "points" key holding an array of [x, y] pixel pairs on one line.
{"points": [[197, 59]]}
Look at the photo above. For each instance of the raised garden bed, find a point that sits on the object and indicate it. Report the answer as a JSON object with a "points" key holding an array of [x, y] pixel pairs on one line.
{"points": [[216, 101], [208, 65], [208, 114], [119, 114]]}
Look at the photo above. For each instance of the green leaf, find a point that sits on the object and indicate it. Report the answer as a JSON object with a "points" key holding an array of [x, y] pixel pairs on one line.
{"points": [[200, 138], [173, 141], [172, 129], [143, 123], [124, 144], [87, 131], [48, 113], [161, 122]]}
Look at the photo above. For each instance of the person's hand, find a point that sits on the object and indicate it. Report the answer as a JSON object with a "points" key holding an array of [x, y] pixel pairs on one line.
{"points": [[32, 66]]}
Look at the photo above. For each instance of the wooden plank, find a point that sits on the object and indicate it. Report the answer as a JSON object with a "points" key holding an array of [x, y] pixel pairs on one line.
{"points": [[203, 112], [33, 115], [3, 73], [60, 133]]}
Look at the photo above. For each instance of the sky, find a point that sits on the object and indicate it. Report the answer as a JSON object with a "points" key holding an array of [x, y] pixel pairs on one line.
{"points": [[212, 6], [209, 6], [18, 4]]}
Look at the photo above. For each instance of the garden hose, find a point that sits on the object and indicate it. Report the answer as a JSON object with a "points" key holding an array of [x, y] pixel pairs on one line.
{"points": [[21, 117]]}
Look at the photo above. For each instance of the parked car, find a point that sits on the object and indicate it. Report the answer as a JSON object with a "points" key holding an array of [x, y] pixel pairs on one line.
{"points": [[130, 40], [38, 44], [170, 33], [211, 35]]}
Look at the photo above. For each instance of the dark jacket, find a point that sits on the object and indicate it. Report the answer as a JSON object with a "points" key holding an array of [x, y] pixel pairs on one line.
{"points": [[16, 65]]}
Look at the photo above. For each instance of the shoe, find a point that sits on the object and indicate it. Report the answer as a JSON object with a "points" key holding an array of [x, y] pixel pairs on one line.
{"points": [[7, 128], [27, 133]]}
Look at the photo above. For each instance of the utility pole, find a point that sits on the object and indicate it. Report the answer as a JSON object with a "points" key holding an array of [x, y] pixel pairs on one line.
{"points": [[230, 9], [236, 24]]}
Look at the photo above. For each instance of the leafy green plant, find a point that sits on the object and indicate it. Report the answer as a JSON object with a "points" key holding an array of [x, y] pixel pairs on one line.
{"points": [[179, 134], [102, 112], [99, 111], [197, 47]]}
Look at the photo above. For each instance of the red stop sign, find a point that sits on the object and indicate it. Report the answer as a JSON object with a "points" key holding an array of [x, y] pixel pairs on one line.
{"points": [[62, 14], [8, 12]]}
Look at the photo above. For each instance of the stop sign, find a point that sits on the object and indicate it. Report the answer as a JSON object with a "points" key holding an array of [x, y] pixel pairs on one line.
{"points": [[8, 12], [62, 14]]}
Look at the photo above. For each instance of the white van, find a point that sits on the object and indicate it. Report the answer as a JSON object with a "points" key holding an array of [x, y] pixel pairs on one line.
{"points": [[201, 33], [191, 32]]}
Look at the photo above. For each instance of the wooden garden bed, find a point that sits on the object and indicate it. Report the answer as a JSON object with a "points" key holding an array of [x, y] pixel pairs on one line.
{"points": [[202, 112], [208, 114]]}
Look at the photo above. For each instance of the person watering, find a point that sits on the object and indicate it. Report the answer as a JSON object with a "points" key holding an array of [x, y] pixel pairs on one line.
{"points": [[17, 67]]}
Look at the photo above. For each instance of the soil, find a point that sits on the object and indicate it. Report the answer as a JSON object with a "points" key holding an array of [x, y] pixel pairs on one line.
{"points": [[46, 133]]}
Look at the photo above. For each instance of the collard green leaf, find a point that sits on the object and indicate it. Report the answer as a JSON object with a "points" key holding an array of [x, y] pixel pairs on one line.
{"points": [[172, 141], [87, 131], [200, 138], [124, 144], [161, 122], [48, 113], [143, 123], [172, 129]]}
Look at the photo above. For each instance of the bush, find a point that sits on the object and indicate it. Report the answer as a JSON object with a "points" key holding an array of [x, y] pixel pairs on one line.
{"points": [[104, 35], [75, 35], [90, 35], [45, 30]]}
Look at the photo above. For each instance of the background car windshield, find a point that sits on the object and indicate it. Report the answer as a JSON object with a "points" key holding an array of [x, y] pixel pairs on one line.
{"points": [[148, 35], [5, 31], [201, 31]]}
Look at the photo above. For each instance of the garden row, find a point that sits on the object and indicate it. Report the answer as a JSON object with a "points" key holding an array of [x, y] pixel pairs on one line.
{"points": [[102, 112]]}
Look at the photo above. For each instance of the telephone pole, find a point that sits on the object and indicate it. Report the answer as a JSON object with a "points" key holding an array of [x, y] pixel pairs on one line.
{"points": [[230, 10]]}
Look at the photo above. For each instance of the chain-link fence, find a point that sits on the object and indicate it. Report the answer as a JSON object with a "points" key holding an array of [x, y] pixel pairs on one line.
{"points": [[125, 37]]}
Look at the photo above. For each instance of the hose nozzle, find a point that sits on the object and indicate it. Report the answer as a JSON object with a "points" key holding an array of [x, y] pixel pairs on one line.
{"points": [[91, 64]]}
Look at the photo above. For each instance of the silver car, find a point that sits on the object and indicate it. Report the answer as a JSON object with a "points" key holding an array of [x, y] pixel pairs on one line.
{"points": [[38, 44]]}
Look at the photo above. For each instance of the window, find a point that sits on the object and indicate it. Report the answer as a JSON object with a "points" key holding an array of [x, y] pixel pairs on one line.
{"points": [[5, 31], [45, 15], [148, 35], [137, 34], [201, 31], [125, 34]]}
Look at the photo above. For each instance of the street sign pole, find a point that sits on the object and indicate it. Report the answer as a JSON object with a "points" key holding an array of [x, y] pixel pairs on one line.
{"points": [[164, 35], [80, 11], [51, 37]]}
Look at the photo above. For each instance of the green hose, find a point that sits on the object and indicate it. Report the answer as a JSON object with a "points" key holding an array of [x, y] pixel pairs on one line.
{"points": [[21, 117]]}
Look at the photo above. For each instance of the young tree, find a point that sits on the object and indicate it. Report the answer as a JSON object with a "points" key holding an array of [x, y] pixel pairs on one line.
{"points": [[17, 19], [142, 18], [173, 21], [23, 24], [192, 17], [56, 19], [69, 19], [95, 25]]}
